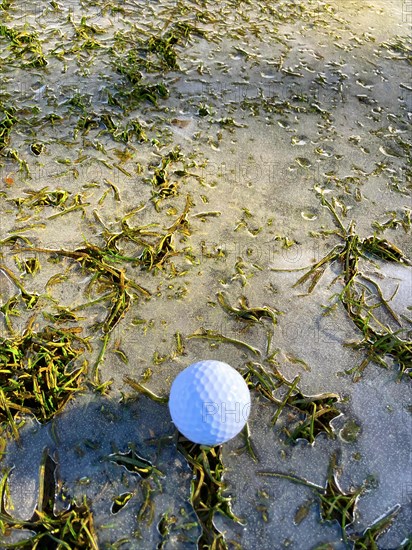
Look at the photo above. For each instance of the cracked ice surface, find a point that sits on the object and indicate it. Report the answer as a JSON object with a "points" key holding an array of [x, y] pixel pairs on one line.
{"points": [[318, 102]]}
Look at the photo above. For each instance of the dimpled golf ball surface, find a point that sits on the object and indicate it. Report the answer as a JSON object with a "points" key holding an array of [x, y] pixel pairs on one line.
{"points": [[209, 402]]}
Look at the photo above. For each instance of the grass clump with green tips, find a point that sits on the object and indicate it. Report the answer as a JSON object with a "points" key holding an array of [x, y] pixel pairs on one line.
{"points": [[24, 45], [207, 491], [380, 341], [7, 121], [334, 503], [71, 529], [40, 372], [316, 414]]}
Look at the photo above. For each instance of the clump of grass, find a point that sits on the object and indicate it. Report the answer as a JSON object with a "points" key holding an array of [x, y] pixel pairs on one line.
{"points": [[42, 197], [61, 199], [28, 265], [146, 55], [7, 120], [207, 491], [73, 528], [112, 279], [215, 336], [395, 220], [25, 46], [5, 5], [156, 52], [137, 89], [317, 412], [23, 165], [335, 504], [267, 382], [163, 47], [400, 46], [170, 523], [132, 129], [154, 256], [85, 35], [379, 345], [379, 340], [112, 283], [10, 307], [367, 540], [155, 253], [40, 373], [247, 313], [163, 186]]}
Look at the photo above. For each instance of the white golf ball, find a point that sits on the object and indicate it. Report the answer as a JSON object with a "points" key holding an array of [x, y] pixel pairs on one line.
{"points": [[209, 402]]}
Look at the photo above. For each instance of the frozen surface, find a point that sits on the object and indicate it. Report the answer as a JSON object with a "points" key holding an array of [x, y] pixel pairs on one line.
{"points": [[271, 104], [84, 442]]}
